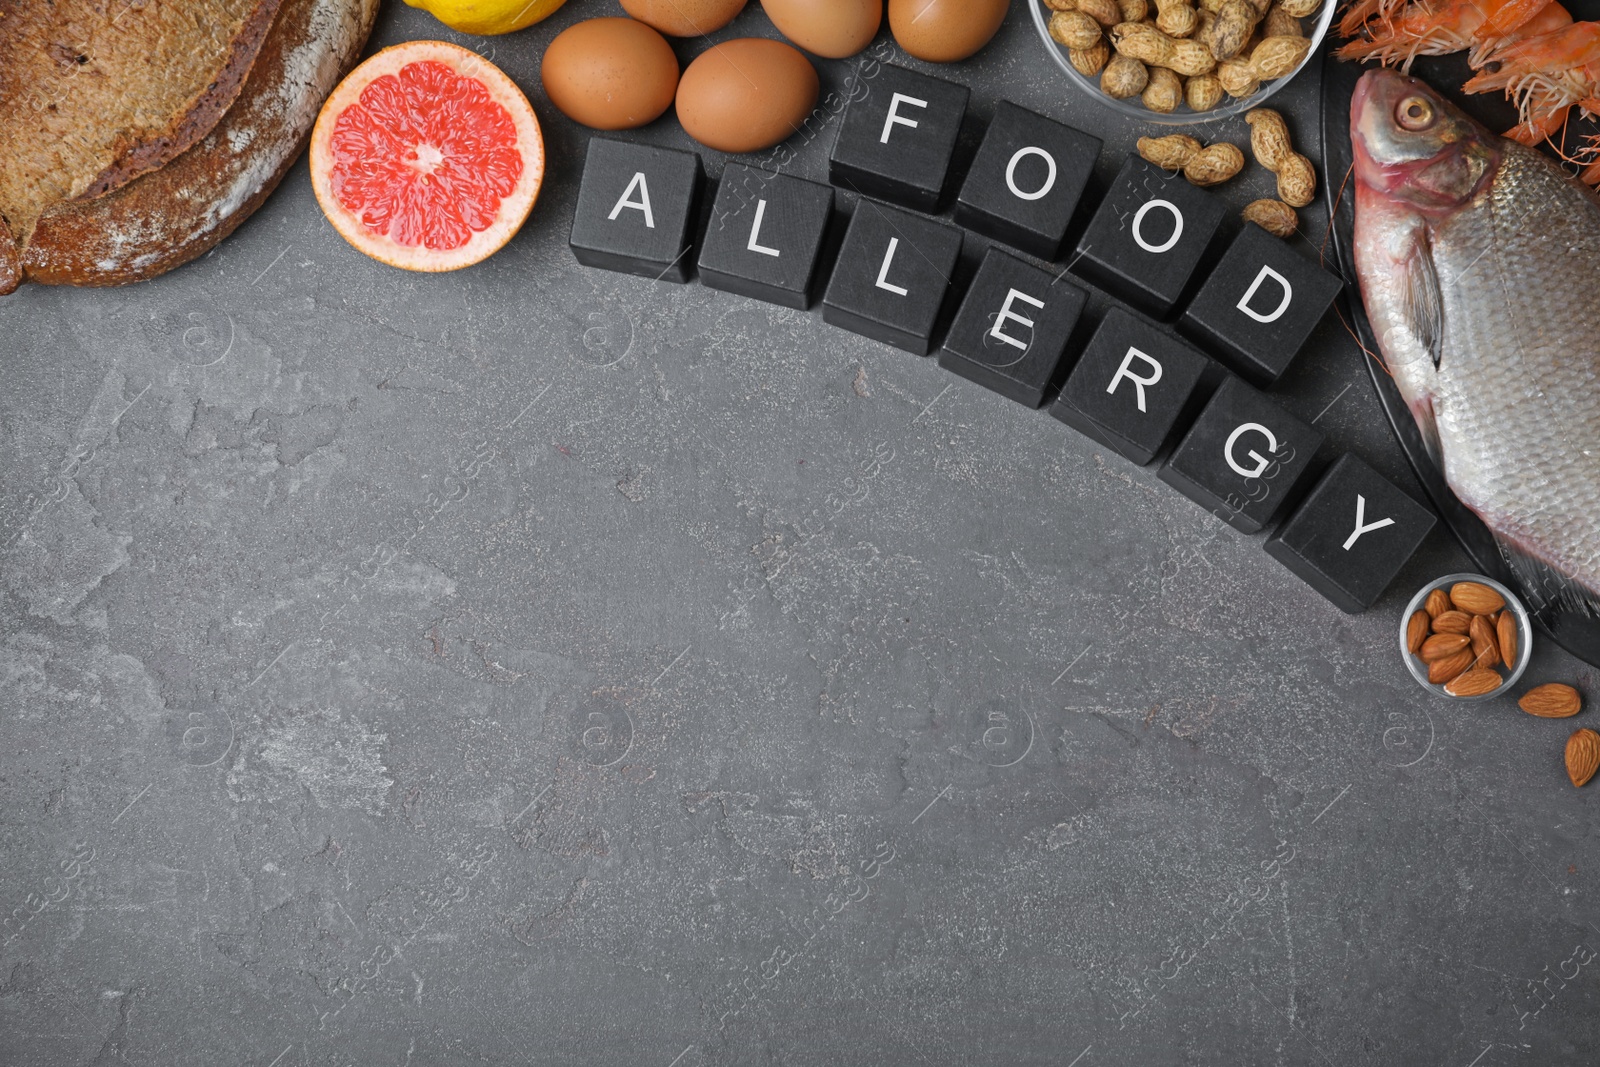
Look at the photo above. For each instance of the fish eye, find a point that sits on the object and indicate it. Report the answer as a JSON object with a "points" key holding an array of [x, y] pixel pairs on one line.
{"points": [[1414, 113]]}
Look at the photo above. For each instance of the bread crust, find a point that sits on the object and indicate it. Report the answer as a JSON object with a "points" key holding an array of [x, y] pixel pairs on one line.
{"points": [[10, 260], [167, 217], [155, 152], [94, 93]]}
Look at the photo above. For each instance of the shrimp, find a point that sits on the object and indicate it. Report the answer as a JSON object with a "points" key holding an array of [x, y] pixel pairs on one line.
{"points": [[1439, 27], [1546, 75]]}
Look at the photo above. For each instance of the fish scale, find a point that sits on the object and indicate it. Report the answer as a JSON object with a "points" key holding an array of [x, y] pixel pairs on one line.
{"points": [[1514, 399]]}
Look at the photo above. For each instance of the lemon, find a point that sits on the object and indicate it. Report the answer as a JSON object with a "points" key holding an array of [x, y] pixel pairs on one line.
{"points": [[488, 17]]}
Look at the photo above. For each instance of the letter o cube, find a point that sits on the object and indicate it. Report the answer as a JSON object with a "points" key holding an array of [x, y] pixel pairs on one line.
{"points": [[1147, 236]]}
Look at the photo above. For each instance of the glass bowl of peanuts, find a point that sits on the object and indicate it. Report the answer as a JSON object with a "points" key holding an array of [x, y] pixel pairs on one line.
{"points": [[1466, 637], [1157, 60]]}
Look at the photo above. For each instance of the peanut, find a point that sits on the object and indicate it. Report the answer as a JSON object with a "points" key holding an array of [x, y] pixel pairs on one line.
{"points": [[1274, 216], [1123, 77], [1176, 18], [1149, 45], [1061, 5], [1279, 23], [1300, 8], [1238, 77], [1202, 92], [1234, 22], [1164, 92], [1269, 137], [1170, 152], [1214, 164], [1276, 56], [1105, 12], [1297, 180], [1074, 29], [1134, 10], [1090, 61]]}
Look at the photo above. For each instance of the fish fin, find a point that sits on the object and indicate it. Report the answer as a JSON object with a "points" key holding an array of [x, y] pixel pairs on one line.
{"points": [[1424, 306], [1544, 587], [1428, 427]]}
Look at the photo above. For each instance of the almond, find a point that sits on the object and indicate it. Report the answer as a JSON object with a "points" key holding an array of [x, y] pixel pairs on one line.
{"points": [[1442, 670], [1583, 756], [1416, 632], [1473, 683], [1475, 598], [1441, 645], [1551, 701], [1438, 603], [1485, 650], [1452, 622], [1505, 631]]}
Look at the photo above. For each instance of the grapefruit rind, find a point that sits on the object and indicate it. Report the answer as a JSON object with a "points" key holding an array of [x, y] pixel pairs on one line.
{"points": [[514, 206]]}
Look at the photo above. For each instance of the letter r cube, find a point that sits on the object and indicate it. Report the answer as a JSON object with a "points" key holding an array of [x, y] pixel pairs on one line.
{"points": [[1133, 384]]}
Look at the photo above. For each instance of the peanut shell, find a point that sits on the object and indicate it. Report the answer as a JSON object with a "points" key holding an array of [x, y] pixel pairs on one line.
{"points": [[1281, 220]]}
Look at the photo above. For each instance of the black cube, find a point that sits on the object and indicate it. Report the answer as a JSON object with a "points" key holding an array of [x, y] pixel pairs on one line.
{"points": [[1351, 534], [1259, 305], [1012, 329], [891, 276], [765, 235], [635, 210], [895, 141], [1132, 386], [1147, 236], [1243, 457], [1026, 180]]}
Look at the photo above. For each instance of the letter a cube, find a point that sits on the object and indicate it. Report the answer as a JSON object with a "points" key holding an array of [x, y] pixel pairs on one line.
{"points": [[765, 235], [1132, 386], [1351, 535], [1147, 236], [897, 137], [1242, 458], [1260, 304], [635, 210]]}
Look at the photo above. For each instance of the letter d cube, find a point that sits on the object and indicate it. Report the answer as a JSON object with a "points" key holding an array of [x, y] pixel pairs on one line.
{"points": [[1260, 304]]}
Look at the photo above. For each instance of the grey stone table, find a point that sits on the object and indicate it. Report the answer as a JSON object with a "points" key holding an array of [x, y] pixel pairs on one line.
{"points": [[536, 665]]}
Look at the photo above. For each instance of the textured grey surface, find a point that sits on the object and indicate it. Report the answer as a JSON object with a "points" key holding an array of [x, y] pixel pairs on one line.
{"points": [[541, 665]]}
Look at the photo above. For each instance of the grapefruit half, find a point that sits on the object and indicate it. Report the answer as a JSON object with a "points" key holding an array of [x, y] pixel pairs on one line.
{"points": [[427, 157]]}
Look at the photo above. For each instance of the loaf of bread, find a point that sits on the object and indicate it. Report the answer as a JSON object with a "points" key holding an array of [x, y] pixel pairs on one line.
{"points": [[149, 140]]}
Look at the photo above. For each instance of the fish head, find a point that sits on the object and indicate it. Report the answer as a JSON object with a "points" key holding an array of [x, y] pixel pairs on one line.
{"points": [[1414, 147]]}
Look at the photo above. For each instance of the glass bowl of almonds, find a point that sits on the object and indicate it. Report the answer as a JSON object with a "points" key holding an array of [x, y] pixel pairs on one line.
{"points": [[1181, 62], [1466, 637]]}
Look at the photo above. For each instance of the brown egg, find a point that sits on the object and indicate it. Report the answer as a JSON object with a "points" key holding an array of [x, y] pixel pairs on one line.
{"points": [[684, 18], [943, 31], [832, 28], [746, 95], [612, 74]]}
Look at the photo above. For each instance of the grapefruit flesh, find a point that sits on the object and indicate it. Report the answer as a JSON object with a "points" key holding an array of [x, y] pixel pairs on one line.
{"points": [[427, 157]]}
